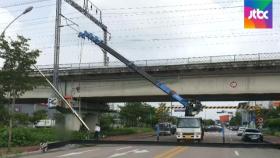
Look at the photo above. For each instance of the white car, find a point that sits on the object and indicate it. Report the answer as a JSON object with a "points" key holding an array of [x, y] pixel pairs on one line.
{"points": [[240, 131]]}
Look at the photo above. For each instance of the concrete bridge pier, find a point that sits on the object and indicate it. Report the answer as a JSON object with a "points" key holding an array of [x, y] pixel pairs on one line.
{"points": [[72, 123], [92, 119]]}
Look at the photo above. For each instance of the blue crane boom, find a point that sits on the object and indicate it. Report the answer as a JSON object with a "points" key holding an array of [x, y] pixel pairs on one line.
{"points": [[141, 72]]}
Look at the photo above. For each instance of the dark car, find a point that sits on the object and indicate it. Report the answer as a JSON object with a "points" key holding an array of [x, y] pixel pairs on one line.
{"points": [[213, 128], [251, 134], [164, 128], [234, 128]]}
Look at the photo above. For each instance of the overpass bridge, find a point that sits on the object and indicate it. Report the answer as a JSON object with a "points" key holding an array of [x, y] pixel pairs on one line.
{"points": [[212, 78]]}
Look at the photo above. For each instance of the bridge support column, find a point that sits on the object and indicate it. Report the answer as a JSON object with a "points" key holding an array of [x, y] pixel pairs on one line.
{"points": [[72, 123], [92, 119]]}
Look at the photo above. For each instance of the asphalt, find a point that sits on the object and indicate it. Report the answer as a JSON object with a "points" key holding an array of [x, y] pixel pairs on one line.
{"points": [[209, 137], [140, 151], [161, 151]]}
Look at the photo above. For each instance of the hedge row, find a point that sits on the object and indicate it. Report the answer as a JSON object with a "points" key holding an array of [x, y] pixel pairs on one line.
{"points": [[34, 136], [26, 136]]}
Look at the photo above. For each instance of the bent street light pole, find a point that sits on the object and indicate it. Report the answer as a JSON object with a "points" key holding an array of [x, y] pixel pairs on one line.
{"points": [[24, 12], [62, 98]]}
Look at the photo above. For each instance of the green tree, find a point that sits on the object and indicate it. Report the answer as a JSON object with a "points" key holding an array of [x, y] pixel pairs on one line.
{"points": [[106, 121], [236, 120], [21, 119], [4, 116], [137, 114], [270, 113], [38, 115], [162, 113], [15, 75], [208, 122]]}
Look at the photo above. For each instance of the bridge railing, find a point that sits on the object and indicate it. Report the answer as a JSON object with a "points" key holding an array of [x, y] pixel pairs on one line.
{"points": [[175, 61]]}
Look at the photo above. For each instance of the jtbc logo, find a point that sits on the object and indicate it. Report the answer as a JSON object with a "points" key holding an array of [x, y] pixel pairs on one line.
{"points": [[258, 14]]}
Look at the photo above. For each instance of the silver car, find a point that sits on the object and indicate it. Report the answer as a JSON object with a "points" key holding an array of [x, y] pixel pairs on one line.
{"points": [[240, 131], [252, 134]]}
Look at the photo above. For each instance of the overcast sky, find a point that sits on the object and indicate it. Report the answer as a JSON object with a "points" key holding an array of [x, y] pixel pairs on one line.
{"points": [[143, 29]]}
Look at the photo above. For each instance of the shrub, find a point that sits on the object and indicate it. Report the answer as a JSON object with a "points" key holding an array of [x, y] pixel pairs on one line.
{"points": [[33, 136], [273, 124]]}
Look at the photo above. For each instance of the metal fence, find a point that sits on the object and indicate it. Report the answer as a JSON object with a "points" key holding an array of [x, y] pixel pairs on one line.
{"points": [[175, 61]]}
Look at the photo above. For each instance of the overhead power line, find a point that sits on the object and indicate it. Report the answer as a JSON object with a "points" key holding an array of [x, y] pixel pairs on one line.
{"points": [[177, 10], [179, 5], [23, 3]]}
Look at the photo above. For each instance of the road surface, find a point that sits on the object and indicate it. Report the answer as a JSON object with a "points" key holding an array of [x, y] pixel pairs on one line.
{"points": [[140, 151], [157, 151], [209, 137]]}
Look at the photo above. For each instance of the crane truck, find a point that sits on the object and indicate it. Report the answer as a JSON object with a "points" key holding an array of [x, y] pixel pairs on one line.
{"points": [[190, 105]]}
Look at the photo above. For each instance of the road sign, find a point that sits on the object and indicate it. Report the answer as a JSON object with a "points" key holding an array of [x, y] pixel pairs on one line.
{"points": [[259, 120], [52, 102], [220, 112]]}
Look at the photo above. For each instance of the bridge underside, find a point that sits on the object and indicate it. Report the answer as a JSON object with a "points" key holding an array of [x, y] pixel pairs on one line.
{"points": [[160, 98], [238, 81]]}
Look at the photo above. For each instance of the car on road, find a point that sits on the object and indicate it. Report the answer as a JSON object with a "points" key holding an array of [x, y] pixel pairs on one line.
{"points": [[234, 128], [165, 128], [240, 131], [252, 134], [213, 128]]}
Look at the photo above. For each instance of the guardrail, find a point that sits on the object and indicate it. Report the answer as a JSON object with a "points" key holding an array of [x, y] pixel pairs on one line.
{"points": [[175, 61]]}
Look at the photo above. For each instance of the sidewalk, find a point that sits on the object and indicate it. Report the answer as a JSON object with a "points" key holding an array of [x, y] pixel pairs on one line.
{"points": [[272, 139]]}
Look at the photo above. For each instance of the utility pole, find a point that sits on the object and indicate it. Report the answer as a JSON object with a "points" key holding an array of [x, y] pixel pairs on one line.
{"points": [[106, 58], [57, 44]]}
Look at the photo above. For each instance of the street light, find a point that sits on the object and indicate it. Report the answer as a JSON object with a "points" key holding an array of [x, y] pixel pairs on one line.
{"points": [[24, 12], [13, 102]]}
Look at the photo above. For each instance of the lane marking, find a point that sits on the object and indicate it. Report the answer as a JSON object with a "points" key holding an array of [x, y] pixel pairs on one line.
{"points": [[76, 153], [230, 136], [236, 153], [127, 147], [176, 152], [140, 151], [136, 151], [167, 152], [119, 154]]}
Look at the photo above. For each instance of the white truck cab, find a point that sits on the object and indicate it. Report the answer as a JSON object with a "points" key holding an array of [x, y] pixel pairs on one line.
{"points": [[189, 128]]}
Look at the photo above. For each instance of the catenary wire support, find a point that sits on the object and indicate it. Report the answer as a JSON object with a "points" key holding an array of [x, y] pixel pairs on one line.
{"points": [[87, 7]]}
